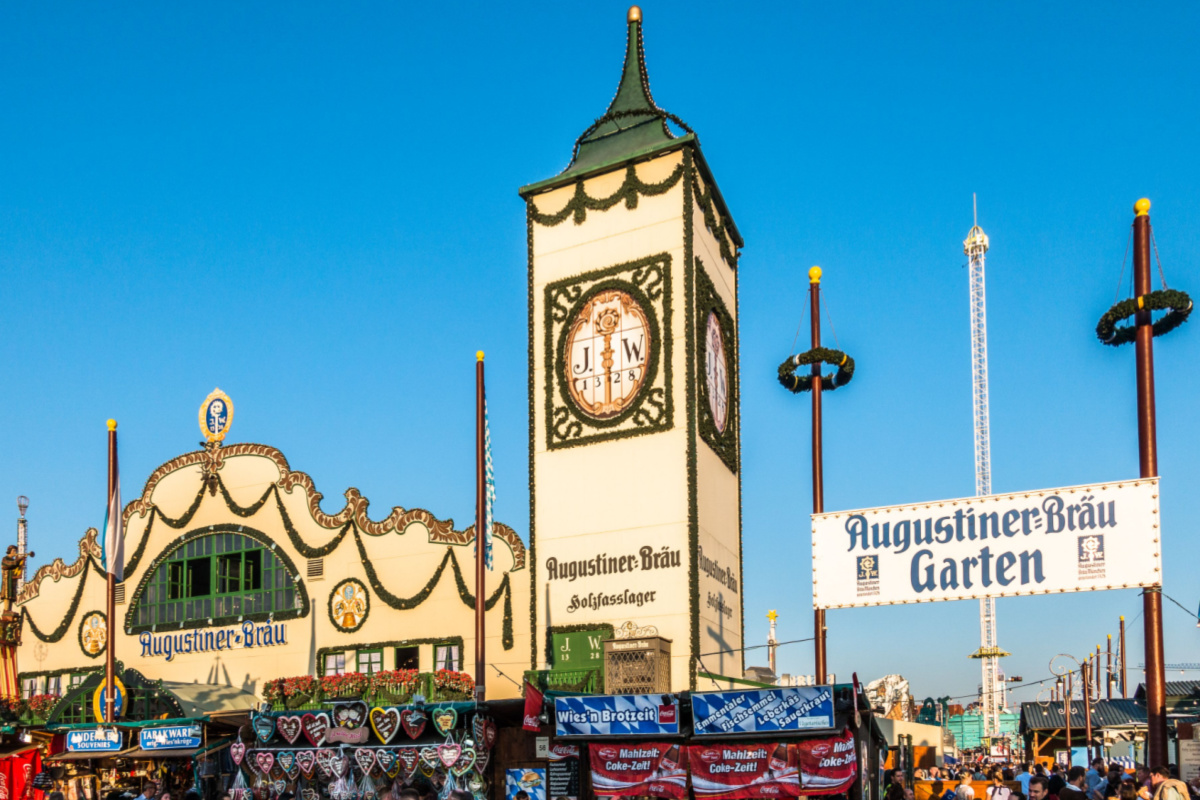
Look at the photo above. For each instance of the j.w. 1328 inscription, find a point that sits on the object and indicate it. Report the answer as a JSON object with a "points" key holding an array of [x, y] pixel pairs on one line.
{"points": [[607, 348]]}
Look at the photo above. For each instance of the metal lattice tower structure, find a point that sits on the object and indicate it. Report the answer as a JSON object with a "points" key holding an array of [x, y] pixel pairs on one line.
{"points": [[989, 653]]}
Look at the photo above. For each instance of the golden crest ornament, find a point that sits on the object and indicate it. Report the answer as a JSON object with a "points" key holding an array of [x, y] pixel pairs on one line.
{"points": [[216, 415]]}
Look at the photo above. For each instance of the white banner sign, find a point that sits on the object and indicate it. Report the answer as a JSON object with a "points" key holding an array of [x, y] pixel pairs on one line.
{"points": [[1075, 539]]}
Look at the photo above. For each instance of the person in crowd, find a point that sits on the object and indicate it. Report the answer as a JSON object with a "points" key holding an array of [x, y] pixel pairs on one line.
{"points": [[1127, 790], [149, 791], [965, 790], [894, 791], [461, 794], [408, 793], [1039, 788], [1167, 787], [1142, 776], [919, 774], [1023, 777], [998, 791], [1076, 788], [1112, 782], [909, 794], [1094, 779], [935, 773], [1057, 781]]}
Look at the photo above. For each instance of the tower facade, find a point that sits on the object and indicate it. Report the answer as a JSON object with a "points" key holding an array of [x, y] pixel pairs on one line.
{"points": [[635, 497]]}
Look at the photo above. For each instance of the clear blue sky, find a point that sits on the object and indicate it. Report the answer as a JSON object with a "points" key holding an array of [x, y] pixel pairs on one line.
{"points": [[314, 207]]}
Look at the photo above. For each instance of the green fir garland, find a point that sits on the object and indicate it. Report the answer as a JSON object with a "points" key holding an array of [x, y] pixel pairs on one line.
{"points": [[724, 443], [468, 599], [689, 303], [631, 189], [58, 633], [818, 355], [1177, 304]]}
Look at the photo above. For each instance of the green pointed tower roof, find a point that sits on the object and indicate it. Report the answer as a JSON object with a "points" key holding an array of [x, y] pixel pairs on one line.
{"points": [[633, 122]]}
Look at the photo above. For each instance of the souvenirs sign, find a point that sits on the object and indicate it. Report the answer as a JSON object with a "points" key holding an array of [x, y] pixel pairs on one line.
{"points": [[171, 737], [639, 769], [94, 740], [757, 711], [733, 771], [616, 715], [1076, 539]]}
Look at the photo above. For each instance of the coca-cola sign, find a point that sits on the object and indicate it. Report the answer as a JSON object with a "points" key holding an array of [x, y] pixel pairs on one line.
{"points": [[827, 766], [639, 769], [734, 771]]}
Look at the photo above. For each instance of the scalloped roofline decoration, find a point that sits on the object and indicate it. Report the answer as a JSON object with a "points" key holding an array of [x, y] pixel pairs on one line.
{"points": [[212, 459]]}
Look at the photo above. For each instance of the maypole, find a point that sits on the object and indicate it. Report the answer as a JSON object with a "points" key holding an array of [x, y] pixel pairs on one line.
{"points": [[1178, 306], [816, 383]]}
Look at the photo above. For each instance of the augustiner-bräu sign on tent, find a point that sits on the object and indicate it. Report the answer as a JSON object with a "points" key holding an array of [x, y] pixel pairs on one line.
{"points": [[1075, 539]]}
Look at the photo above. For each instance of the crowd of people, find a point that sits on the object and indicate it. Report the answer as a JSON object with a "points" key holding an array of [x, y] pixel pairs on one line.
{"points": [[1035, 782]]}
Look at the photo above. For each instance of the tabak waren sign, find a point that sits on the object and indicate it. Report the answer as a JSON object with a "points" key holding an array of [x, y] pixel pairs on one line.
{"points": [[1074, 539]]}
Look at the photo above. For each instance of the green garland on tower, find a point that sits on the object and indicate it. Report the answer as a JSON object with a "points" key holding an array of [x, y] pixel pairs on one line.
{"points": [[58, 633], [1177, 304], [818, 355]]}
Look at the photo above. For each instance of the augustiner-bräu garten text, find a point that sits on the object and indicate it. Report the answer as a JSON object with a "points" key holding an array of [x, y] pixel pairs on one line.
{"points": [[928, 573]]}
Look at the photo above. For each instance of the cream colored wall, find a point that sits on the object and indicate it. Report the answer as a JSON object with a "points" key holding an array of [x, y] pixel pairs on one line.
{"points": [[618, 496], [718, 491], [404, 562]]}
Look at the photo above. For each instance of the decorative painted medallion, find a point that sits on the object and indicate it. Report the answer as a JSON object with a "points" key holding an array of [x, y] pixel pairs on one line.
{"points": [[608, 345], [349, 604], [608, 364], [716, 354], [93, 633], [716, 372], [216, 415]]}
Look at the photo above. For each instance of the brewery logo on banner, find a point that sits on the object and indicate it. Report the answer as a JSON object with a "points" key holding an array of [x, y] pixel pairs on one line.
{"points": [[639, 769], [827, 766], [616, 715], [733, 771], [1074, 539], [757, 711]]}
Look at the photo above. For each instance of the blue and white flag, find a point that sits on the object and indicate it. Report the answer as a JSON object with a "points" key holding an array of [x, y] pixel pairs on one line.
{"points": [[112, 538], [489, 491]]}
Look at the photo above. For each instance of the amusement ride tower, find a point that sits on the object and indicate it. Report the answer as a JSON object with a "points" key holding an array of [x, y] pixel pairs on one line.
{"points": [[992, 689]]}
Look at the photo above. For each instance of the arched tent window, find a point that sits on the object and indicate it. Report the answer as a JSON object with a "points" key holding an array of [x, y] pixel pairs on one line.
{"points": [[215, 576]]}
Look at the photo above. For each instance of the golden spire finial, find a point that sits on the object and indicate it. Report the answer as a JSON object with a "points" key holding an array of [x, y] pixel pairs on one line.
{"points": [[112, 424], [771, 615], [634, 15], [479, 355], [1141, 207], [814, 275]]}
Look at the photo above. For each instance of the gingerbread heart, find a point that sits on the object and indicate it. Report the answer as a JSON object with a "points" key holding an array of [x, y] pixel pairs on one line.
{"points": [[309, 793], [429, 756], [444, 719], [237, 751], [482, 756], [385, 722], [407, 758], [465, 762], [448, 753], [289, 728], [280, 787], [238, 794], [350, 715], [286, 760], [264, 728], [315, 727], [264, 760], [385, 757], [413, 721], [306, 760], [489, 733], [365, 757], [341, 764], [325, 762]]}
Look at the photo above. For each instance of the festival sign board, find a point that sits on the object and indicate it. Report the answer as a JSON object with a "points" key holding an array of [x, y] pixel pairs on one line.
{"points": [[171, 737], [742, 771], [530, 781], [759, 711], [94, 740], [1074, 539], [639, 769], [829, 765], [616, 715]]}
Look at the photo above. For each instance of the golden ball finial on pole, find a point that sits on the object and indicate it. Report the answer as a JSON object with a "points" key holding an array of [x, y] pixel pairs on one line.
{"points": [[479, 355], [814, 275], [1141, 207], [634, 15], [112, 424]]}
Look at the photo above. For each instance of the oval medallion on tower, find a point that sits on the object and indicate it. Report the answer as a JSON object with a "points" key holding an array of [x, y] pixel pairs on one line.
{"points": [[607, 350], [716, 372]]}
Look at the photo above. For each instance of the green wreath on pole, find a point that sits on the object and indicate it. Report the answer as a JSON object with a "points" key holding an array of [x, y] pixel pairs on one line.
{"points": [[1177, 304], [818, 355]]}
